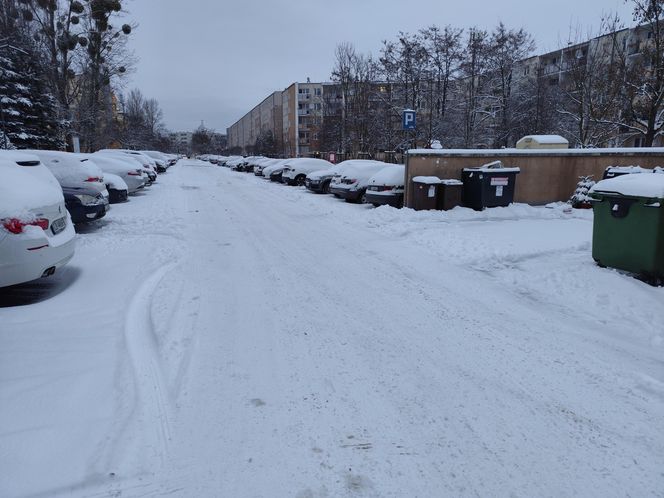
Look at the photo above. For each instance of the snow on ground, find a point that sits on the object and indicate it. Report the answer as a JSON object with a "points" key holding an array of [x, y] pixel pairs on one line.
{"points": [[220, 335]]}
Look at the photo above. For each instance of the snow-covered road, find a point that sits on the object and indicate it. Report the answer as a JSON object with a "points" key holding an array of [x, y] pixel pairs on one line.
{"points": [[221, 335]]}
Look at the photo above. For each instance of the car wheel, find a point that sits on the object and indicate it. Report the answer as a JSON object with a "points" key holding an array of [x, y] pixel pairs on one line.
{"points": [[299, 180], [326, 187], [363, 198]]}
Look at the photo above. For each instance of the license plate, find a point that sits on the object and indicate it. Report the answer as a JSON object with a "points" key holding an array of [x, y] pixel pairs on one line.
{"points": [[58, 225]]}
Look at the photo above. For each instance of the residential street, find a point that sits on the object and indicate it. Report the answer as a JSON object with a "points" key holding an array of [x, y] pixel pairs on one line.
{"points": [[227, 336]]}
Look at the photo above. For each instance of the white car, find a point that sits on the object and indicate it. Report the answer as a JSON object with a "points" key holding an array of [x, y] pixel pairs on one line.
{"points": [[150, 173], [73, 171], [163, 162], [130, 172], [36, 234], [350, 182], [144, 159], [296, 170]]}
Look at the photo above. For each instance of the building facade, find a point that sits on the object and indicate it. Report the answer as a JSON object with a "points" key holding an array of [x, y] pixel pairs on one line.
{"points": [[286, 123]]}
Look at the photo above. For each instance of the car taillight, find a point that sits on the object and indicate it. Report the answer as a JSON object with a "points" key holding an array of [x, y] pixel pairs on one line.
{"points": [[134, 173], [93, 179], [14, 225]]}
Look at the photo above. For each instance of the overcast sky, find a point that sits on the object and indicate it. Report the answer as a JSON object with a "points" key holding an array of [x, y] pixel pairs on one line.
{"points": [[213, 60]]}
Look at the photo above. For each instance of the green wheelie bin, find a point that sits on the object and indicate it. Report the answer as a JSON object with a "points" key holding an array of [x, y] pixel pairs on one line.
{"points": [[628, 226]]}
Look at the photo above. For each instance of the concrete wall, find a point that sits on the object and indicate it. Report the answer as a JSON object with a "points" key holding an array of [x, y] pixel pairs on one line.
{"points": [[545, 176]]}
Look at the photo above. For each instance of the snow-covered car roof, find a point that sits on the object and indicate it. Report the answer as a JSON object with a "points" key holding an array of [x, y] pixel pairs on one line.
{"points": [[67, 167], [142, 158], [112, 164], [362, 171], [389, 175], [115, 181], [317, 175], [649, 186], [126, 159], [306, 162], [17, 156], [24, 188], [359, 163]]}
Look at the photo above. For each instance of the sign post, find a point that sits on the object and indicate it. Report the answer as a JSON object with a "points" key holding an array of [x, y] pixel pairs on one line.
{"points": [[409, 123]]}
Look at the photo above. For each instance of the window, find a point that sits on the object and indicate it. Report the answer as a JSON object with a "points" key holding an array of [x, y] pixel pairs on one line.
{"points": [[553, 82], [318, 91], [639, 142], [303, 90]]}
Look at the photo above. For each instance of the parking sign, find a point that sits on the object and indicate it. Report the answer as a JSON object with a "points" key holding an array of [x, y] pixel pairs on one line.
{"points": [[409, 121]]}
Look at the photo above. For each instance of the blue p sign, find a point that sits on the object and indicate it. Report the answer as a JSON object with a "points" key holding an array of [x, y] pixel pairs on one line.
{"points": [[409, 122]]}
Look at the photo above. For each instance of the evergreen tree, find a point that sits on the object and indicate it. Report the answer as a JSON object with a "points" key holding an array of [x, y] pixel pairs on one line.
{"points": [[580, 198], [27, 108]]}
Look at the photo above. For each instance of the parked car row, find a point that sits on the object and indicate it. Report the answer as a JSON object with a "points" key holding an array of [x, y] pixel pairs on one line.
{"points": [[355, 180], [44, 193]]}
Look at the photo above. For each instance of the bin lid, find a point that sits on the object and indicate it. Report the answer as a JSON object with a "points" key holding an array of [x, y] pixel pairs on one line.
{"points": [[627, 169], [649, 186], [429, 180], [494, 167]]}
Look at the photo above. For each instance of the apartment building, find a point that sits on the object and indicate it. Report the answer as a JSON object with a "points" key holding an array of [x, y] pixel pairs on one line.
{"points": [[181, 141], [292, 116], [559, 67]]}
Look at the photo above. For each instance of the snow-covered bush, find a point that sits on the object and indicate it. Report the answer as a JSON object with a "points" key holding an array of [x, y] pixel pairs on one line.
{"points": [[580, 198]]}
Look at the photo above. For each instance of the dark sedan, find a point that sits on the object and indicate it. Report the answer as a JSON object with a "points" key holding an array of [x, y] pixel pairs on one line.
{"points": [[85, 204]]}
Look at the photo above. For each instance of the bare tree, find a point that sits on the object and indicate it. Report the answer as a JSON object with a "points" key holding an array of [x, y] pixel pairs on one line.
{"points": [[473, 91], [342, 74], [506, 47], [591, 79], [644, 110], [444, 58]]}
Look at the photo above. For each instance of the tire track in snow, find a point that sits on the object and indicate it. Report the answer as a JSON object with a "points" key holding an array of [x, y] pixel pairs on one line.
{"points": [[151, 389]]}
